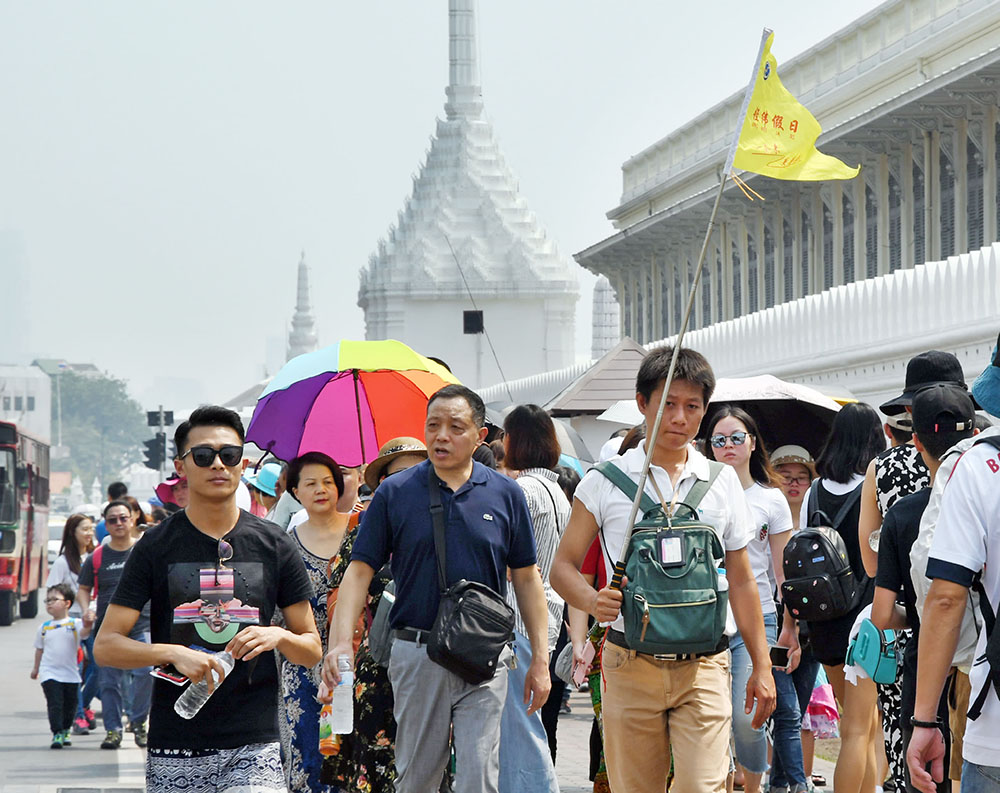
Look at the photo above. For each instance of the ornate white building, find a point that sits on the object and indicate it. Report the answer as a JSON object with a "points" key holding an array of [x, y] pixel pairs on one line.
{"points": [[835, 283], [466, 242]]}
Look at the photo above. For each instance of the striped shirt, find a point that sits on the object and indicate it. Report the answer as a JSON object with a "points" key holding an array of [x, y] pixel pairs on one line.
{"points": [[549, 510]]}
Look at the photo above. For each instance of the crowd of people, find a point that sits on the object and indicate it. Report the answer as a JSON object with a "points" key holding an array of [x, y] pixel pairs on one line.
{"points": [[710, 634]]}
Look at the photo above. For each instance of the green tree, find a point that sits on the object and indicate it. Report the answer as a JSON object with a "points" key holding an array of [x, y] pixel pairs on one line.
{"points": [[102, 426]]}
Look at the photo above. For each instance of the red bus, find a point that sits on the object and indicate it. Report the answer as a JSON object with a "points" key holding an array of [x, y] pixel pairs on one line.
{"points": [[24, 518]]}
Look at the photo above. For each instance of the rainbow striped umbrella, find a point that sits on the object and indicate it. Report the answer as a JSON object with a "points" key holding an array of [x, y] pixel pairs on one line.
{"points": [[346, 400]]}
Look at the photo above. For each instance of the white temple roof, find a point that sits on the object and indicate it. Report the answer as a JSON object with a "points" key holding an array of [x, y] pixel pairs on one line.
{"points": [[465, 205]]}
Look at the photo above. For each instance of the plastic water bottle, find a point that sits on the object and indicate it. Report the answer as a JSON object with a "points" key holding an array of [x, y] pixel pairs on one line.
{"points": [[196, 694], [342, 706]]}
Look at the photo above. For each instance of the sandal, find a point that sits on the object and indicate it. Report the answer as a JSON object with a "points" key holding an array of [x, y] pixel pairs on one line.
{"points": [[819, 780]]}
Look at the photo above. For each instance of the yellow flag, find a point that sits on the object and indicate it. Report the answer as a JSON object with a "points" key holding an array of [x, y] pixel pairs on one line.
{"points": [[778, 136]]}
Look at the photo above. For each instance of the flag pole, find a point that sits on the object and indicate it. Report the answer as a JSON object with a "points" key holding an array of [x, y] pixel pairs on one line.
{"points": [[619, 571]]}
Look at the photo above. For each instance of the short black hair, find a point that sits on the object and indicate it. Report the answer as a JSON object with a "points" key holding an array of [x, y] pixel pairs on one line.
{"points": [[568, 479], [116, 503], [208, 416], [898, 435], [117, 490], [473, 399], [531, 439], [937, 443], [855, 438], [313, 458], [63, 589], [691, 366]]}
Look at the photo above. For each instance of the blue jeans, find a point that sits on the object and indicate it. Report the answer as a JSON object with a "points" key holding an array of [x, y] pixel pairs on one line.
{"points": [[112, 681], [980, 778], [803, 681], [751, 744], [525, 760]]}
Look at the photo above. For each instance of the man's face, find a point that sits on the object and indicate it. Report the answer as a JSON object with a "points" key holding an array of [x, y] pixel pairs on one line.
{"points": [[682, 414], [451, 434], [118, 519], [217, 482]]}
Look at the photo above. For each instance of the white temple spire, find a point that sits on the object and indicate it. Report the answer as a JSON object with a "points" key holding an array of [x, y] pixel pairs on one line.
{"points": [[302, 337], [465, 95]]}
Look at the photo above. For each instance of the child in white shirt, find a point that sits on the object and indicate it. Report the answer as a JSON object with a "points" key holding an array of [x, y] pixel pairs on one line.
{"points": [[57, 645]]}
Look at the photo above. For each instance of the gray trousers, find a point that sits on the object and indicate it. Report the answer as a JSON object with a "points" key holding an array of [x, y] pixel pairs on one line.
{"points": [[428, 701]]}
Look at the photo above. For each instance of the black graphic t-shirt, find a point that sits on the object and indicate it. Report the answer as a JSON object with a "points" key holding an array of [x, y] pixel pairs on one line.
{"points": [[109, 573], [198, 601]]}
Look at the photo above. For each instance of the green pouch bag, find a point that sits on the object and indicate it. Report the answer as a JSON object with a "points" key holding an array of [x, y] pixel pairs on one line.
{"points": [[672, 603], [875, 652]]}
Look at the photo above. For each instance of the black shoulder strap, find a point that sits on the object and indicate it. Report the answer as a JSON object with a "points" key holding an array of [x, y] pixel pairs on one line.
{"points": [[845, 508], [989, 625], [545, 487], [437, 517]]}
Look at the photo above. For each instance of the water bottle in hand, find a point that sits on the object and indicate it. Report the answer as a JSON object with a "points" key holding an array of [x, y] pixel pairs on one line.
{"points": [[342, 707], [196, 694]]}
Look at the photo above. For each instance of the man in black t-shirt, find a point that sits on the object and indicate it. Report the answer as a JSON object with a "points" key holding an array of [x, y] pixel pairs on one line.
{"points": [[213, 576], [99, 577], [942, 416]]}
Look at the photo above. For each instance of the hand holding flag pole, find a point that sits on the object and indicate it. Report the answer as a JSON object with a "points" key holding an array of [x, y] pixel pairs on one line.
{"points": [[775, 136]]}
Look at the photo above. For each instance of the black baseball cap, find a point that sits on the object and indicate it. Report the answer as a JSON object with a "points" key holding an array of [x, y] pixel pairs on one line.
{"points": [[933, 366], [942, 407]]}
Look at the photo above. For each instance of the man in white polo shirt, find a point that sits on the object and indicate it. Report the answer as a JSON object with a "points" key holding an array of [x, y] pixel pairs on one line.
{"points": [[650, 705], [966, 543]]}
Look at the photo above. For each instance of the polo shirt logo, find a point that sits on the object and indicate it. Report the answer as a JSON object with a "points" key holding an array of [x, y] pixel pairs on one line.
{"points": [[487, 516]]}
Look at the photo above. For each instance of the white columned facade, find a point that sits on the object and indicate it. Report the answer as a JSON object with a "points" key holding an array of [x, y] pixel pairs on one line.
{"points": [[960, 159], [882, 199], [860, 229], [990, 175], [906, 232]]}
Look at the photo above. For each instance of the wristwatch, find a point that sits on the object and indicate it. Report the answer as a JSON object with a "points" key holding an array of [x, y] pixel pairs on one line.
{"points": [[937, 724]]}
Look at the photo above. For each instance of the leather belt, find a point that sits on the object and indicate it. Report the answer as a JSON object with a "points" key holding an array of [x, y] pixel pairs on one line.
{"points": [[617, 638], [411, 635]]}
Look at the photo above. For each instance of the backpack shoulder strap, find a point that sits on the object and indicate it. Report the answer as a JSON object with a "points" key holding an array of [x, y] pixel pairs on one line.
{"points": [[624, 482], [989, 626], [852, 498], [701, 487], [95, 558]]}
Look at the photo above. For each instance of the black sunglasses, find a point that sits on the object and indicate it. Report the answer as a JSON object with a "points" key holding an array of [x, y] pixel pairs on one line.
{"points": [[204, 456], [738, 438]]}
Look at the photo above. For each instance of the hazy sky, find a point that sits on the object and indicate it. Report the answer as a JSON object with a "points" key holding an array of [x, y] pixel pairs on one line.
{"points": [[162, 165]]}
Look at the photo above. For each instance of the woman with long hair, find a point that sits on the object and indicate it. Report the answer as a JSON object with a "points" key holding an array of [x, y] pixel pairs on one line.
{"points": [[855, 438], [734, 439], [77, 542]]}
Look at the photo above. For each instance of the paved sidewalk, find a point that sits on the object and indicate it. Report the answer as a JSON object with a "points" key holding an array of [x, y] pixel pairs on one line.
{"points": [[573, 755]]}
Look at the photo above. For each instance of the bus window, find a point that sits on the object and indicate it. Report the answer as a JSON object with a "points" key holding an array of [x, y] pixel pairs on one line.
{"points": [[8, 495]]}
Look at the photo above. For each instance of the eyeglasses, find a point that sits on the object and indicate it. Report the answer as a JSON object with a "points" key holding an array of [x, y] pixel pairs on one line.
{"points": [[114, 520], [204, 456], [738, 438], [56, 600], [795, 480], [225, 551]]}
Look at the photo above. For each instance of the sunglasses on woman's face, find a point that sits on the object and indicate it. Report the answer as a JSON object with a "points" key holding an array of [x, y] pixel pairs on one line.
{"points": [[738, 439], [204, 456]]}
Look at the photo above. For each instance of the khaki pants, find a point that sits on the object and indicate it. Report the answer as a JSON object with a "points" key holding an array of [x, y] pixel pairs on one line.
{"points": [[651, 706], [958, 707]]}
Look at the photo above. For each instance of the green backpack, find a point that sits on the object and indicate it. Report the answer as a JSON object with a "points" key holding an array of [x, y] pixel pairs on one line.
{"points": [[672, 603]]}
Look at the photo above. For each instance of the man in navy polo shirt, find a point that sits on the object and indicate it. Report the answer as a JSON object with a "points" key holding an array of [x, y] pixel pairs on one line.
{"points": [[487, 532]]}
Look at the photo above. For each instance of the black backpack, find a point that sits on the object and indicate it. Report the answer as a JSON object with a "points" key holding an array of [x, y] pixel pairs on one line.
{"points": [[819, 582]]}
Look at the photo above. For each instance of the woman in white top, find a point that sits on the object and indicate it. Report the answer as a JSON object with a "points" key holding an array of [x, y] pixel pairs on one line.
{"points": [[77, 542], [733, 439]]}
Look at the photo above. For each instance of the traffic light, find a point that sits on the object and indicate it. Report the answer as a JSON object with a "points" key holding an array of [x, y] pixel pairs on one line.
{"points": [[154, 451]]}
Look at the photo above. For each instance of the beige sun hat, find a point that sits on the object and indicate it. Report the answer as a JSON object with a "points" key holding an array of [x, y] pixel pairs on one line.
{"points": [[791, 453], [390, 450]]}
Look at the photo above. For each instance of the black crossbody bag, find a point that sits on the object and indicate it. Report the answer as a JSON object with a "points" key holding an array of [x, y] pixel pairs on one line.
{"points": [[473, 623]]}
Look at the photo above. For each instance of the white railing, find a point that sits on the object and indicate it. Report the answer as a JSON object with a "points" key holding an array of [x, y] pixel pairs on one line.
{"points": [[942, 305]]}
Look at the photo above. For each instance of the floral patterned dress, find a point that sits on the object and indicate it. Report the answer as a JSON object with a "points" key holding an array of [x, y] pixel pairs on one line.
{"points": [[365, 761], [299, 685]]}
